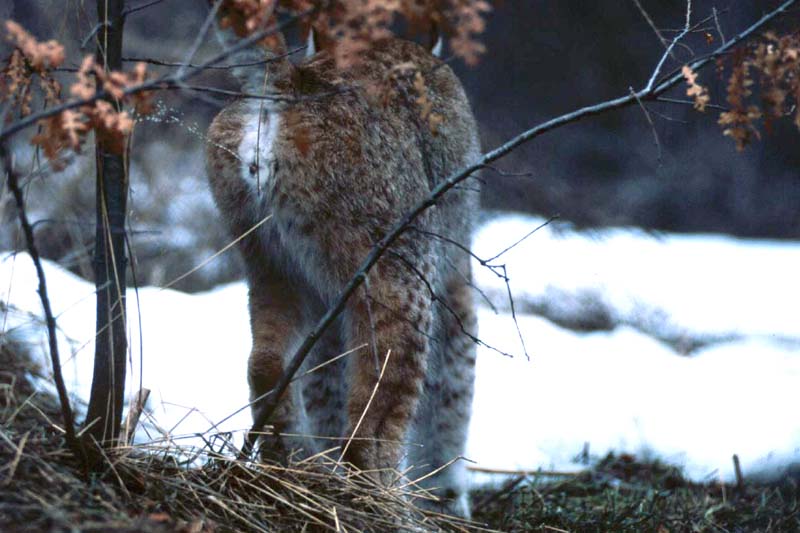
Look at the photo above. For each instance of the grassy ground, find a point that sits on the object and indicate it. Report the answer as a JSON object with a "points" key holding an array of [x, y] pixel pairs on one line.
{"points": [[618, 494], [43, 489]]}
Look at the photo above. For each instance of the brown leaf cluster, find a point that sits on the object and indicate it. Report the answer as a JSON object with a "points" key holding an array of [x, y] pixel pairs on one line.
{"points": [[348, 27], [739, 122], [29, 59], [772, 66], [68, 129], [41, 56], [110, 123], [695, 90], [465, 22], [245, 17]]}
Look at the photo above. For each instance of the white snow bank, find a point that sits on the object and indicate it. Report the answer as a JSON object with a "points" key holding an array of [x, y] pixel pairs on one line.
{"points": [[625, 391], [194, 346], [703, 284]]}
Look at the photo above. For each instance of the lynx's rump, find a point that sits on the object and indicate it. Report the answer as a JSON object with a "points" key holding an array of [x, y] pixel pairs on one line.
{"points": [[332, 159]]}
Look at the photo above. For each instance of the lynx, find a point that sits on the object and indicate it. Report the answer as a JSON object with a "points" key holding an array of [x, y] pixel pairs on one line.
{"points": [[336, 163]]}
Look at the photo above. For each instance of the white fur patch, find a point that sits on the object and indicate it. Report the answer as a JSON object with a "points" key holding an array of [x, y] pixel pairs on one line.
{"points": [[256, 151]]}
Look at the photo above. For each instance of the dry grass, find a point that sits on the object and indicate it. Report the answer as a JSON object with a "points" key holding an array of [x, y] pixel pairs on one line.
{"points": [[43, 489]]}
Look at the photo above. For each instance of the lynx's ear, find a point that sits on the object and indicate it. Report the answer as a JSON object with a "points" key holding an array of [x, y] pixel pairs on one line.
{"points": [[438, 46], [312, 46]]}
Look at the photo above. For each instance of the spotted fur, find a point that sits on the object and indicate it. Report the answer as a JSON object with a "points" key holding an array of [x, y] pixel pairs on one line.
{"points": [[336, 162]]}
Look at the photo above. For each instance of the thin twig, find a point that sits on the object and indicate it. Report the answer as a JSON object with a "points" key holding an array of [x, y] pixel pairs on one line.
{"points": [[201, 36], [131, 10], [521, 240], [522, 472], [688, 14], [687, 29], [650, 23], [436, 298], [33, 251], [690, 103], [667, 53], [218, 253], [649, 119], [717, 24], [737, 470], [97, 27], [366, 408], [135, 280], [164, 82], [164, 63], [134, 413]]}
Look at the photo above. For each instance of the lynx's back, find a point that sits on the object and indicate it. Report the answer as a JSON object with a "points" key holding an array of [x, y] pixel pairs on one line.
{"points": [[335, 158], [357, 150]]}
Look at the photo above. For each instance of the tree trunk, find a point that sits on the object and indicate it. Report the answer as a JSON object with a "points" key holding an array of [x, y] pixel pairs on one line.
{"points": [[108, 382]]}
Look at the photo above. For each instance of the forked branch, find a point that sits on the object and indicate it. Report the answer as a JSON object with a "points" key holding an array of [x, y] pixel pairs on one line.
{"points": [[168, 81]]}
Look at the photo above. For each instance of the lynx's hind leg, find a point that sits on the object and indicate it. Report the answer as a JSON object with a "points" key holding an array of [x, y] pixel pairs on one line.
{"points": [[325, 391], [442, 421], [392, 314], [274, 320]]}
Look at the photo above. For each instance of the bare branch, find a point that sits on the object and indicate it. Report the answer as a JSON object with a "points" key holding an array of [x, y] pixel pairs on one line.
{"points": [[200, 37], [134, 413], [650, 23], [676, 41], [273, 97], [131, 10], [519, 241], [649, 93], [66, 410], [690, 103], [649, 119], [688, 15], [162, 63], [97, 27], [717, 24], [165, 82], [436, 298]]}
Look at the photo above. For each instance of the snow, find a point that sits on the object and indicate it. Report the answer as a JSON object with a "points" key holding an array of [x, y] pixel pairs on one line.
{"points": [[700, 283], [621, 388], [625, 391], [194, 346]]}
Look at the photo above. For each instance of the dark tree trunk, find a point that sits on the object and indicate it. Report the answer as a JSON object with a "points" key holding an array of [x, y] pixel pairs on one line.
{"points": [[108, 382]]}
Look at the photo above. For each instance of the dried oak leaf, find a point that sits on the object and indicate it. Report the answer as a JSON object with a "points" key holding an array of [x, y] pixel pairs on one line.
{"points": [[65, 130], [698, 93], [41, 56]]}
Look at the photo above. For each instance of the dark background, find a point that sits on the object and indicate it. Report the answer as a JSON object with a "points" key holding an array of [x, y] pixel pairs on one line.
{"points": [[545, 58]]}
